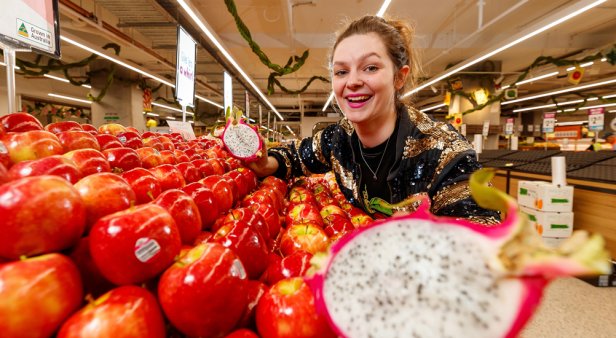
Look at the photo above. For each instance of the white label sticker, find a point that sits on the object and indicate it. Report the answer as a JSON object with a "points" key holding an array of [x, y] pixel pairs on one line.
{"points": [[122, 139], [237, 269], [146, 248]]}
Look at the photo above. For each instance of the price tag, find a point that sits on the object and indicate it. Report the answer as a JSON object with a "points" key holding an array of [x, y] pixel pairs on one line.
{"points": [[184, 128], [596, 119], [486, 128], [549, 121], [509, 126]]}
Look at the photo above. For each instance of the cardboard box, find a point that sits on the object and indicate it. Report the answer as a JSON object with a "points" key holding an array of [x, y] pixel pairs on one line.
{"points": [[550, 224], [603, 280], [545, 196]]}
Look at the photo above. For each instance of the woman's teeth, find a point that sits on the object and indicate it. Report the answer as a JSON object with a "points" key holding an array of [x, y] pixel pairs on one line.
{"points": [[358, 98]]}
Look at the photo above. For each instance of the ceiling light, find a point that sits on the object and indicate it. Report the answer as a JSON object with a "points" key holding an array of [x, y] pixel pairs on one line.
{"points": [[432, 108], [166, 107], [599, 106], [152, 114], [209, 101], [56, 78], [87, 86], [329, 100], [581, 66], [556, 18], [113, 59], [228, 56], [70, 98], [536, 78], [603, 59], [4, 64], [383, 8], [561, 91], [169, 117]]}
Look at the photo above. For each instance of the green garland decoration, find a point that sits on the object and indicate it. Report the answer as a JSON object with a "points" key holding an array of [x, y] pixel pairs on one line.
{"points": [[540, 61], [38, 68], [293, 64], [49, 109]]}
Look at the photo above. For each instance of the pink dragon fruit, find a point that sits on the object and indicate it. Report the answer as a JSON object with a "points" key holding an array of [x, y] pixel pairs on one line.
{"points": [[240, 139], [419, 275]]}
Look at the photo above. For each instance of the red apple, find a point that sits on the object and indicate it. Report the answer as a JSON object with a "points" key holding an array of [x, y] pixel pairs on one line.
{"points": [[206, 202], [255, 290], [88, 161], [148, 134], [122, 159], [184, 212], [168, 176], [361, 220], [189, 172], [247, 244], [222, 192], [301, 195], [111, 128], [180, 156], [55, 165], [153, 142], [5, 158], [127, 311], [89, 128], [204, 292], [293, 265], [240, 182], [58, 127], [94, 283], [270, 216], [150, 157], [130, 139], [31, 145], [39, 214], [2, 130], [304, 212], [132, 129], [103, 194], [276, 182], [287, 310], [261, 197], [193, 154], [20, 122], [204, 167], [242, 333], [303, 236], [324, 200], [107, 141], [253, 219], [3, 174], [233, 163], [203, 237], [77, 139], [166, 143], [134, 245], [168, 157], [217, 166], [234, 189], [332, 210], [251, 178], [336, 223], [276, 196], [145, 185], [37, 295]]}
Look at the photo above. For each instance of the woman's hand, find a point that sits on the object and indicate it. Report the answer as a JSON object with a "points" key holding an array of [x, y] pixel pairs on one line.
{"points": [[265, 165]]}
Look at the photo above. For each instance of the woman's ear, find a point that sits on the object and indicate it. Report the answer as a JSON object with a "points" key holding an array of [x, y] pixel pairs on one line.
{"points": [[400, 78]]}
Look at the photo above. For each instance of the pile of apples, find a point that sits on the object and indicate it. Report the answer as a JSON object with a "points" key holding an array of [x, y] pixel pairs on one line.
{"points": [[111, 232]]}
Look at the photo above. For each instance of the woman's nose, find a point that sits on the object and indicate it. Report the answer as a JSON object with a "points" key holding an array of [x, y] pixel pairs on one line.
{"points": [[354, 80]]}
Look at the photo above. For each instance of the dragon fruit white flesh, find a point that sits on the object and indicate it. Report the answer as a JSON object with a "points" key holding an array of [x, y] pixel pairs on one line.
{"points": [[419, 275], [241, 140]]}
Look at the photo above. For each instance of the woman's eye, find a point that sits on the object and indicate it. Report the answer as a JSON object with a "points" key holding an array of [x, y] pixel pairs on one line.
{"points": [[372, 68], [340, 72]]}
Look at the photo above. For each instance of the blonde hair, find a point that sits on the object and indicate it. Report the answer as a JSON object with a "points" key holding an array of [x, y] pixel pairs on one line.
{"points": [[397, 36]]}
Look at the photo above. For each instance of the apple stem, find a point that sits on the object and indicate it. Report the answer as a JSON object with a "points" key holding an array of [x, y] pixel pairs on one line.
{"points": [[89, 298]]}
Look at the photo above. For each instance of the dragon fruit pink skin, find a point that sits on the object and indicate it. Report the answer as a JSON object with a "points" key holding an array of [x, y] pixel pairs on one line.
{"points": [[419, 275], [241, 140]]}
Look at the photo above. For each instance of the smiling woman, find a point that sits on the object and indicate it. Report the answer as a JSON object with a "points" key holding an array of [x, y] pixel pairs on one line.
{"points": [[384, 153]]}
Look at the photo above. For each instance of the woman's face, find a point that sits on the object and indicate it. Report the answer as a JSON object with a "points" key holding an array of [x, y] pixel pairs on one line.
{"points": [[363, 78]]}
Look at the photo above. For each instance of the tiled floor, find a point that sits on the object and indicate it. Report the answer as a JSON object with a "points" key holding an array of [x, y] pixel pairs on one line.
{"points": [[573, 308]]}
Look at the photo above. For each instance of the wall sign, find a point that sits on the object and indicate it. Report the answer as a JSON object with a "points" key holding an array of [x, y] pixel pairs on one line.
{"points": [[31, 24], [185, 69]]}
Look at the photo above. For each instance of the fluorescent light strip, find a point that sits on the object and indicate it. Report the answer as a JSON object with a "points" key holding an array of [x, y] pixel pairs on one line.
{"points": [[228, 56], [554, 105], [56, 78], [166, 107], [329, 100], [476, 60], [112, 59], [537, 78], [87, 86], [581, 66], [209, 101], [70, 98], [152, 114], [432, 108], [169, 118], [556, 92], [4, 64], [599, 106]]}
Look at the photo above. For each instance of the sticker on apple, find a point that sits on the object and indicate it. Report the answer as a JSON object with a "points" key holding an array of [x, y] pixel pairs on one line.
{"points": [[237, 269], [146, 248]]}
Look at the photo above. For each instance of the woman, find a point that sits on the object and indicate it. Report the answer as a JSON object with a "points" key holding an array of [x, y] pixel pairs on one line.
{"points": [[383, 154]]}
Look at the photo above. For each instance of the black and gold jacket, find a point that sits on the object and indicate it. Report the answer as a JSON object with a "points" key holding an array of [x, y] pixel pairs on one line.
{"points": [[431, 158]]}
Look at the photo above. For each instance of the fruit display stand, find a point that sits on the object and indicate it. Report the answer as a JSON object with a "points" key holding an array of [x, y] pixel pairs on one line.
{"points": [[111, 232]]}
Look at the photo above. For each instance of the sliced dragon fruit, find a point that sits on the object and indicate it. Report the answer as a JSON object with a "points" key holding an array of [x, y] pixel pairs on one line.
{"points": [[419, 275], [241, 140]]}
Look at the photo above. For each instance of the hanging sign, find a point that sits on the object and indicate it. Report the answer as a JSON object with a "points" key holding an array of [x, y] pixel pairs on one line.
{"points": [[31, 24], [486, 128], [184, 128], [596, 118], [549, 121], [509, 126], [185, 69], [227, 91]]}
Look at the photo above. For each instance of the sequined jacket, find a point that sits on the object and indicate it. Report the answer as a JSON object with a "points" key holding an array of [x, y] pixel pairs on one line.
{"points": [[431, 158]]}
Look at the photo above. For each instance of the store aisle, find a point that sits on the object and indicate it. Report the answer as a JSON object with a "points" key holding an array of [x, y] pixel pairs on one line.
{"points": [[574, 308]]}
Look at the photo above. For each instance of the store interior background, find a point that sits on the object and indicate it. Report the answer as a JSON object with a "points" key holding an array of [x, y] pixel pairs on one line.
{"points": [[448, 34]]}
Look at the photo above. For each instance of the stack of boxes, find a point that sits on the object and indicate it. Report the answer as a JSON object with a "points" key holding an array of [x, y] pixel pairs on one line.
{"points": [[549, 208]]}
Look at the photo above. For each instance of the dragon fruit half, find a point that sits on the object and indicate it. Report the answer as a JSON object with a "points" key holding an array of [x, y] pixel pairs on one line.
{"points": [[241, 140], [419, 275]]}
